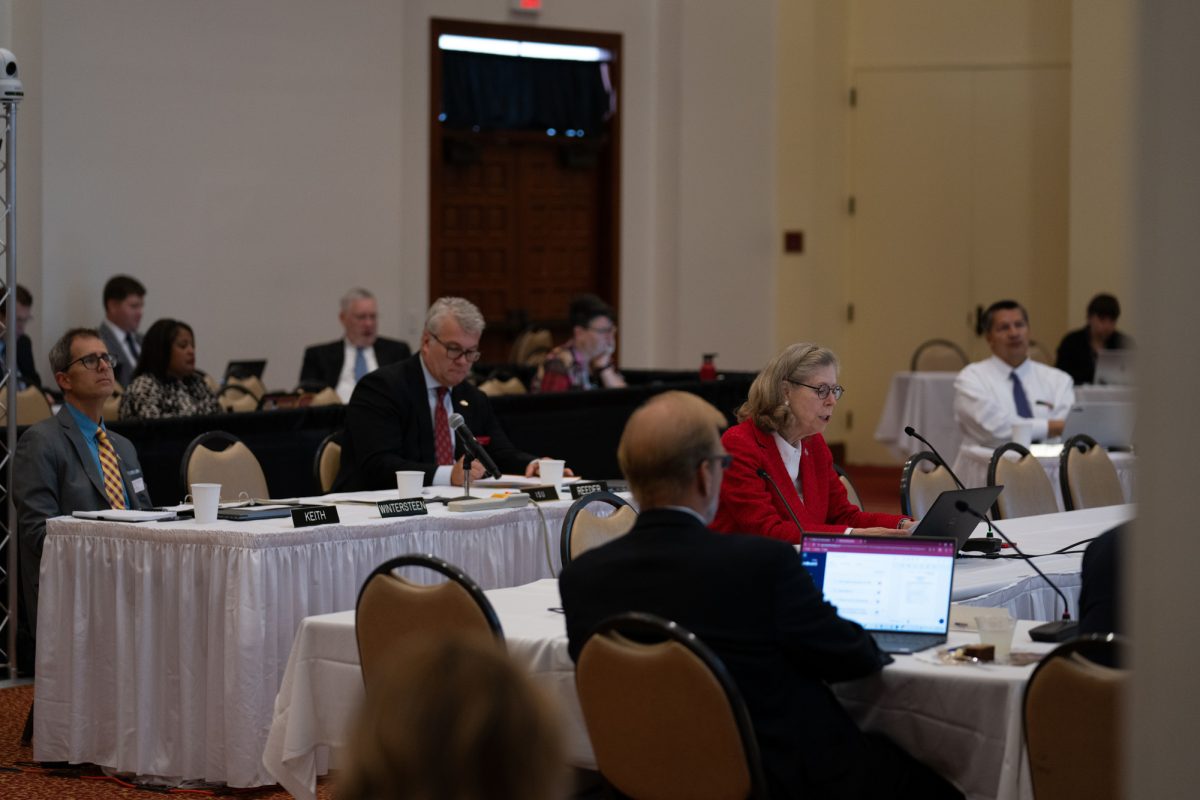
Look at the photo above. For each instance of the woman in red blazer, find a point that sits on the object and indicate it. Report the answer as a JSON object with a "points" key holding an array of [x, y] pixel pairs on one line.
{"points": [[779, 434]]}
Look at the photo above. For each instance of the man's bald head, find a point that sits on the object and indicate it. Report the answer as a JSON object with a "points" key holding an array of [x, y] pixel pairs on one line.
{"points": [[664, 443]]}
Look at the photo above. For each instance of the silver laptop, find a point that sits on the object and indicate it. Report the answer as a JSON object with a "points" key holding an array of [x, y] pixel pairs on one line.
{"points": [[896, 587], [1114, 367], [1109, 423]]}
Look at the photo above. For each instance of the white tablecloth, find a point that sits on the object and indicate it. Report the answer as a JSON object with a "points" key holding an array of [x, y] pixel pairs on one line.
{"points": [[924, 400], [973, 460], [161, 646], [963, 721]]}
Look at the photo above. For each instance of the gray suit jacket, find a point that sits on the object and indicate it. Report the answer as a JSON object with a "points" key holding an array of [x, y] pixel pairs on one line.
{"points": [[124, 372], [55, 474]]}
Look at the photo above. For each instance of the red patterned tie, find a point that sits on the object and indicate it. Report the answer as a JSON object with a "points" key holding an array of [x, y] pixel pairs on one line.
{"points": [[441, 430], [112, 473]]}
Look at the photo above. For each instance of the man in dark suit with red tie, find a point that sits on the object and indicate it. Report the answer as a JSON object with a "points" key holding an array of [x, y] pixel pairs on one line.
{"points": [[342, 364], [750, 600], [398, 416]]}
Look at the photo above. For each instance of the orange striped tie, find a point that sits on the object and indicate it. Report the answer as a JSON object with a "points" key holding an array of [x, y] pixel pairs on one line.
{"points": [[112, 473]]}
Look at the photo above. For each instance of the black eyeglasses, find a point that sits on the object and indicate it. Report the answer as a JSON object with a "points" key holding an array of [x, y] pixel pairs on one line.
{"points": [[823, 391], [92, 361], [455, 352], [726, 459]]}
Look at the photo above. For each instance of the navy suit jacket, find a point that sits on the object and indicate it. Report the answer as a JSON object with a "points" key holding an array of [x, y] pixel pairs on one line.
{"points": [[323, 362], [750, 600], [54, 475], [389, 428]]}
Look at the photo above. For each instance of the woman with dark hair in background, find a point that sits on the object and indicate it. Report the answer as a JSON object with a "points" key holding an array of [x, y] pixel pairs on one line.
{"points": [[166, 382]]}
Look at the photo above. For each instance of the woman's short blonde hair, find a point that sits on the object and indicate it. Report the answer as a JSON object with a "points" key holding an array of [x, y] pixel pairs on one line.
{"points": [[455, 719], [766, 403]]}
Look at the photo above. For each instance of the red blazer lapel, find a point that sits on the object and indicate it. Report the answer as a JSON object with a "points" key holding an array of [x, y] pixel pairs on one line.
{"points": [[778, 473]]}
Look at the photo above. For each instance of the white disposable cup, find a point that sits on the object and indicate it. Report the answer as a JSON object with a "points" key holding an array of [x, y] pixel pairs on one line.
{"points": [[551, 470], [998, 632], [205, 499], [1022, 432], [409, 482]]}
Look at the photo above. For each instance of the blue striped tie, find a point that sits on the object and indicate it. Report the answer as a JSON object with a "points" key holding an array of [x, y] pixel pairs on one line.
{"points": [[1023, 409]]}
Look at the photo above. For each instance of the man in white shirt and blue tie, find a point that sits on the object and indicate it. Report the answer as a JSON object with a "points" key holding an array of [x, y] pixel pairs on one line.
{"points": [[990, 395], [343, 363]]}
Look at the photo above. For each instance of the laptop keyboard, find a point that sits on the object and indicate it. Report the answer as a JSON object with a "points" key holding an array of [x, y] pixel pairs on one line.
{"points": [[907, 642]]}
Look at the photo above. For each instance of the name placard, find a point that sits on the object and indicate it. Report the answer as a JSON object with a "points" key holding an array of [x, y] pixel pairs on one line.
{"points": [[309, 516], [582, 488], [541, 493], [410, 507]]}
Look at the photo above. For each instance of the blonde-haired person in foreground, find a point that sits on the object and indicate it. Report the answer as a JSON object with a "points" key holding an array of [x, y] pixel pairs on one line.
{"points": [[779, 434], [455, 719]]}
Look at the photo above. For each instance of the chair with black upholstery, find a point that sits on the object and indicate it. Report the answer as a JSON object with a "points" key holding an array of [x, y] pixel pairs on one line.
{"points": [[664, 716], [327, 462], [1027, 490], [582, 529], [1087, 475], [393, 611], [235, 399], [1073, 720], [924, 478], [220, 457], [851, 492], [938, 355]]}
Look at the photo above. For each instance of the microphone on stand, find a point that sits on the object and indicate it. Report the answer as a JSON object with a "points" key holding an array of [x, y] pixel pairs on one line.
{"points": [[762, 473], [459, 426], [1051, 631], [985, 545]]}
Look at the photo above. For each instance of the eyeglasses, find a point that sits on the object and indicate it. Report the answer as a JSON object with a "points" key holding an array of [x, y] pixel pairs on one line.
{"points": [[725, 459], [823, 391], [455, 352], [92, 361]]}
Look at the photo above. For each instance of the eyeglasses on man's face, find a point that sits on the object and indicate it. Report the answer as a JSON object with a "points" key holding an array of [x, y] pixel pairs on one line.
{"points": [[93, 360], [455, 352], [823, 390]]}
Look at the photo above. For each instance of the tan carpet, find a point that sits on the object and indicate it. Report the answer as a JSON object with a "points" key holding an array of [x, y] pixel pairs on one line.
{"points": [[21, 779]]}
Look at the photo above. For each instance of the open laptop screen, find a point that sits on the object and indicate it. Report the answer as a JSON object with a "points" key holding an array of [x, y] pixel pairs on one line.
{"points": [[884, 583]]}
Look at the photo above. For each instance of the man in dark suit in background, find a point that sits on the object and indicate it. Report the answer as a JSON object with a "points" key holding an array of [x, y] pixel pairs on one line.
{"points": [[71, 462], [124, 301], [750, 600], [343, 363], [398, 416], [26, 372]]}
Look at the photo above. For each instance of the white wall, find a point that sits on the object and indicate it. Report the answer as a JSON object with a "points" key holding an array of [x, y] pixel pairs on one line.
{"points": [[250, 161]]}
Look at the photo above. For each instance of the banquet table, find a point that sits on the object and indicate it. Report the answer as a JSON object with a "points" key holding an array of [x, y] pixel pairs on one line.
{"points": [[161, 646], [963, 721], [973, 460], [925, 400]]}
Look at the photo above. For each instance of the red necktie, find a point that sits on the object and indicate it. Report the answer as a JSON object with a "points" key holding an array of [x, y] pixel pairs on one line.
{"points": [[441, 430]]}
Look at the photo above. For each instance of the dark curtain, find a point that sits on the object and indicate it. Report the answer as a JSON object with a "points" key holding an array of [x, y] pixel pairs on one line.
{"points": [[508, 93]]}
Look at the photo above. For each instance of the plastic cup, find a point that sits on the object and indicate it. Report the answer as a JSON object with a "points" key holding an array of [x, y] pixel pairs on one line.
{"points": [[998, 632], [551, 470], [1022, 432], [409, 482], [206, 497]]}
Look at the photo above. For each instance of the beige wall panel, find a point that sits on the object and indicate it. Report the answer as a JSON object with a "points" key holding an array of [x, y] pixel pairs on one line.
{"points": [[1019, 195], [911, 152], [955, 32]]}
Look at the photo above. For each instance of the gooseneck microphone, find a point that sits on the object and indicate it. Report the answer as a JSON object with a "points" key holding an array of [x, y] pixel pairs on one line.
{"points": [[911, 431], [459, 426], [762, 473], [1052, 631]]}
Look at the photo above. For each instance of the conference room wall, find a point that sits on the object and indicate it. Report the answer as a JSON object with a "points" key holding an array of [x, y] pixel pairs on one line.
{"points": [[250, 161]]}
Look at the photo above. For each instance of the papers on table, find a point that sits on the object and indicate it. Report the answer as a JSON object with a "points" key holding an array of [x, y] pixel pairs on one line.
{"points": [[125, 515]]}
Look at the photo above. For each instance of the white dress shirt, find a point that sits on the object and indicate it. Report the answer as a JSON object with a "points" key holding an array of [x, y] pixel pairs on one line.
{"points": [[983, 399], [791, 460], [346, 380], [442, 476]]}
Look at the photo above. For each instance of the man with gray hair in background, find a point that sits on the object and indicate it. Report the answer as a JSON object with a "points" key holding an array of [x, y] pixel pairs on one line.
{"points": [[398, 417], [343, 363]]}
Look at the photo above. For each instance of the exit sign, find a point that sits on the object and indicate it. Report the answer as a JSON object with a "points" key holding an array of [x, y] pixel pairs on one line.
{"points": [[527, 6]]}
